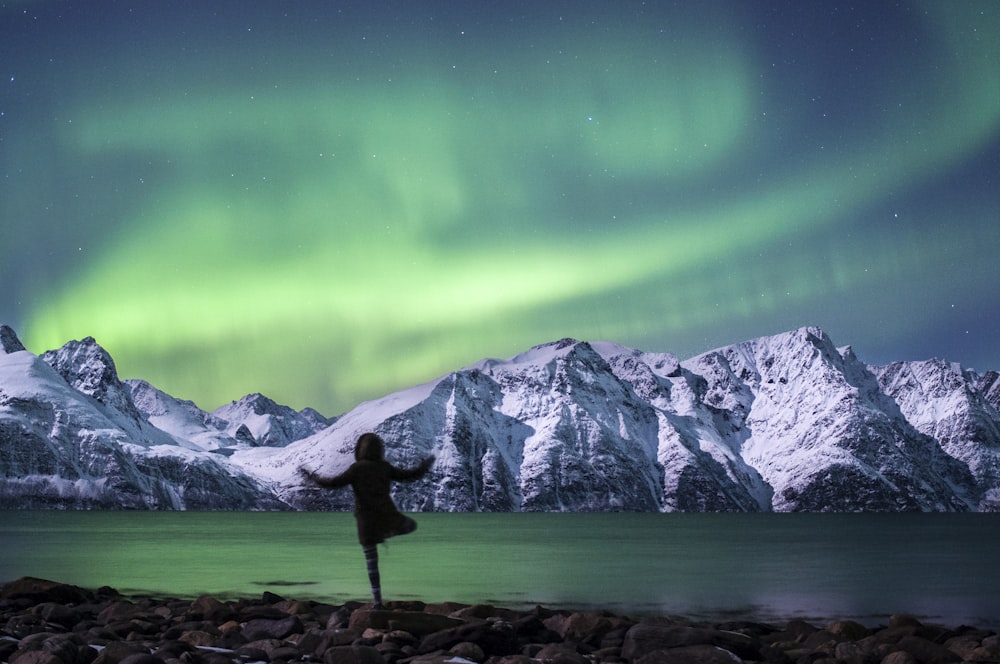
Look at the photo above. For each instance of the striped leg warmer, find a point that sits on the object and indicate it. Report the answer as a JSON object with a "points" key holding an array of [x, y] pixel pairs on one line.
{"points": [[371, 561]]}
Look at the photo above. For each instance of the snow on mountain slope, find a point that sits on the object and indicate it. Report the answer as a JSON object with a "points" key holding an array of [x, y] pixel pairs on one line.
{"points": [[88, 369], [331, 450], [71, 437], [952, 406], [190, 426], [267, 422], [538, 432], [787, 422], [820, 432]]}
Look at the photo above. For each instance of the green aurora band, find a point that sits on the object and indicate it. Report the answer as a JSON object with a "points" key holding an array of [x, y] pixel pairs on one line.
{"points": [[330, 236]]}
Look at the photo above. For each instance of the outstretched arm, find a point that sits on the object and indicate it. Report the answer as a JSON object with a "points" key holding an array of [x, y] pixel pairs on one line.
{"points": [[406, 474], [326, 482]]}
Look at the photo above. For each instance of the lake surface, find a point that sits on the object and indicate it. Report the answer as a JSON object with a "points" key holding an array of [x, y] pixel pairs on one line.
{"points": [[942, 567]]}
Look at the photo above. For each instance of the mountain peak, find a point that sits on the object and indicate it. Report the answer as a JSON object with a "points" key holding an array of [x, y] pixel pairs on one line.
{"points": [[89, 369], [263, 421], [86, 366], [788, 422], [9, 343]]}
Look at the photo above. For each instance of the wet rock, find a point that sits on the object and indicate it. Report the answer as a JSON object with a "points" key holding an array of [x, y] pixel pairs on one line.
{"points": [[271, 598], [198, 638], [516, 659], [647, 637], [172, 650], [584, 627], [246, 613], [284, 653], [41, 590], [822, 640], [468, 651], [116, 612], [694, 654], [35, 657], [495, 638], [482, 612], [209, 608], [353, 655], [561, 653], [116, 651], [60, 614], [903, 620], [848, 629], [8, 646], [329, 638], [142, 658], [339, 618], [293, 607], [849, 652], [263, 628], [419, 624], [899, 657], [532, 629], [927, 652], [107, 628], [964, 646]]}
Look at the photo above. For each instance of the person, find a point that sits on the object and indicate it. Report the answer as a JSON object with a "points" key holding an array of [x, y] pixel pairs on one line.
{"points": [[371, 476]]}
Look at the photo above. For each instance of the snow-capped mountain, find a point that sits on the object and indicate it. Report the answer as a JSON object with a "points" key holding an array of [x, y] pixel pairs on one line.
{"points": [[787, 422], [72, 436], [260, 421]]}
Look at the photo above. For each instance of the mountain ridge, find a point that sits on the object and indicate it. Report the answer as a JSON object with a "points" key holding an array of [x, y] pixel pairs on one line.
{"points": [[787, 422]]}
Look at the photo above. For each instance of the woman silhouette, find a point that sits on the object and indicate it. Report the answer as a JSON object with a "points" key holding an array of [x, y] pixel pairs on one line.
{"points": [[371, 477]]}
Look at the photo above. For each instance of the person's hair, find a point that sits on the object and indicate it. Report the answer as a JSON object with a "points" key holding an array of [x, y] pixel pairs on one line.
{"points": [[369, 448]]}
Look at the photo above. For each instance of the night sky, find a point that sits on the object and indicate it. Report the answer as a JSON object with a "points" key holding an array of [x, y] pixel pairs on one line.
{"points": [[326, 202]]}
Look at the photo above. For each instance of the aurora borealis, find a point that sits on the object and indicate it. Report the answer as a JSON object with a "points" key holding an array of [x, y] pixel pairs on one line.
{"points": [[325, 202]]}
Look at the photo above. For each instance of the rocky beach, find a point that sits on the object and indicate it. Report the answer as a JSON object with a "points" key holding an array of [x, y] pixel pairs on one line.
{"points": [[46, 622]]}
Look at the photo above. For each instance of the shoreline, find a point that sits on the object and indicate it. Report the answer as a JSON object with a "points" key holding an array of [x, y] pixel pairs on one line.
{"points": [[47, 622]]}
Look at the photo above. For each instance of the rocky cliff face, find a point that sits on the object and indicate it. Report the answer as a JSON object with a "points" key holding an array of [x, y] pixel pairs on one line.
{"points": [[787, 423]]}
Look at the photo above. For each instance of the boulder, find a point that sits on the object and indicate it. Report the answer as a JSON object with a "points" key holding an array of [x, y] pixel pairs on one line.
{"points": [[496, 638], [416, 623], [42, 590], [899, 657], [142, 658], [208, 608], [468, 651], [927, 652], [353, 655], [583, 627], [694, 654], [116, 651], [60, 614], [330, 638], [35, 657], [644, 638], [561, 653], [264, 628], [848, 629]]}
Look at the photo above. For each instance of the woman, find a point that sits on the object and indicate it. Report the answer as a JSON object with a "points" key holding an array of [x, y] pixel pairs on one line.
{"points": [[371, 477]]}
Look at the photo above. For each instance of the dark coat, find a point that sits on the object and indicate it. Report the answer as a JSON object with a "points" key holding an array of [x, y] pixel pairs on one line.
{"points": [[371, 477]]}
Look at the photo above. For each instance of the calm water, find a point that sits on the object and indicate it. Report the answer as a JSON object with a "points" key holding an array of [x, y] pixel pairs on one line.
{"points": [[942, 567]]}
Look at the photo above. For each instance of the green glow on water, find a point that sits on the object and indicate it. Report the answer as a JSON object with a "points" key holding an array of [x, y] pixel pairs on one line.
{"points": [[767, 566]]}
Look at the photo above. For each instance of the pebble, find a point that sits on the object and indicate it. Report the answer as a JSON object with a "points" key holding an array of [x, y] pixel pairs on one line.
{"points": [[46, 622]]}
